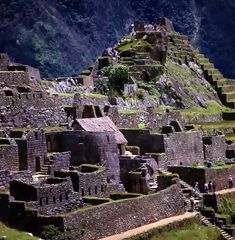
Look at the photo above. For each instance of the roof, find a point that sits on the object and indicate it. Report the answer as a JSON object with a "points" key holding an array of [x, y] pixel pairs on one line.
{"points": [[103, 124]]}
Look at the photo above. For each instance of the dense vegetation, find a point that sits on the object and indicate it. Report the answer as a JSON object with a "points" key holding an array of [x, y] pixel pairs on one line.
{"points": [[61, 37]]}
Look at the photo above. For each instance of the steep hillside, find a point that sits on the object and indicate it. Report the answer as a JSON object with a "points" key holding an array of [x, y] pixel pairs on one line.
{"points": [[62, 37]]}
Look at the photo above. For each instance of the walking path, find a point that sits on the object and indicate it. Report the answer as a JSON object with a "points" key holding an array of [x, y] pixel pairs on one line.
{"points": [[145, 228], [229, 190]]}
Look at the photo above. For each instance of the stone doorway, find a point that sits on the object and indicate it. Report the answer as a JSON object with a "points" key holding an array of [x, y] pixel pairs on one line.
{"points": [[38, 164]]}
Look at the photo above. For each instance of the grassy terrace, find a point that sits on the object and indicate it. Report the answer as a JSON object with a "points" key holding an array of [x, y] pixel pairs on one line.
{"points": [[129, 45], [106, 201], [213, 108], [216, 125], [46, 129], [230, 136], [13, 234], [130, 111], [192, 232], [66, 94], [95, 95]]}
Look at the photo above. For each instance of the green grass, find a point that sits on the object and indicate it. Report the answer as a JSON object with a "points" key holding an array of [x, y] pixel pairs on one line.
{"points": [[141, 125], [230, 136], [66, 94], [95, 95], [180, 72], [129, 45], [130, 111], [162, 108], [193, 232], [13, 234], [216, 125], [213, 108]]}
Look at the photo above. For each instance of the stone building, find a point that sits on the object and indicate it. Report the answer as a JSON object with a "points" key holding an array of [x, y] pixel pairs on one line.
{"points": [[214, 147], [4, 62], [9, 155], [88, 147], [32, 149], [50, 196], [88, 180], [170, 148], [103, 124], [131, 87]]}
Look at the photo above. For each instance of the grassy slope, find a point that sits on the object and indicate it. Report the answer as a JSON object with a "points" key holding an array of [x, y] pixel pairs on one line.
{"points": [[194, 232], [13, 234]]}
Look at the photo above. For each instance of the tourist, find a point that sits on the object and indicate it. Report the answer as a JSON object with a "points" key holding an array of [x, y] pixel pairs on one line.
{"points": [[210, 187], [196, 189], [230, 181], [209, 164], [192, 203], [206, 188]]}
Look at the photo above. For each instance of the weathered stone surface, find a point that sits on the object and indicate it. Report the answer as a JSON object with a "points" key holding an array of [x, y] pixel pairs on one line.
{"points": [[124, 215]]}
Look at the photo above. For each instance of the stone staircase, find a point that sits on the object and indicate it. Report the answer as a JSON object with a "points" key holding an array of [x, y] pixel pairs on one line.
{"points": [[179, 49], [153, 184], [45, 169], [224, 87], [205, 221]]}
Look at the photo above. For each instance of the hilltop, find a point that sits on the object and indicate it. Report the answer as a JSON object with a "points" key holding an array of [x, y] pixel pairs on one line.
{"points": [[62, 37]]}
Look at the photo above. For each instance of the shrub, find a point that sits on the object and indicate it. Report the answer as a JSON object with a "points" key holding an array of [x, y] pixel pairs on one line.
{"points": [[118, 76], [141, 125], [194, 164], [154, 91], [140, 94], [228, 207], [51, 232]]}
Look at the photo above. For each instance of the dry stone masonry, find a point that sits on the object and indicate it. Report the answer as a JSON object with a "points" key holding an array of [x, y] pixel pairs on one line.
{"points": [[120, 145]]}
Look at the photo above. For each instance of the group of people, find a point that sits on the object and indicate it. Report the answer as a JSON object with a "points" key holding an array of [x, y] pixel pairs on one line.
{"points": [[209, 187], [112, 52]]}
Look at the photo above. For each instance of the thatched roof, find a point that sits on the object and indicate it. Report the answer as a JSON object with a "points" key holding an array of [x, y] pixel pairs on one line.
{"points": [[103, 124]]}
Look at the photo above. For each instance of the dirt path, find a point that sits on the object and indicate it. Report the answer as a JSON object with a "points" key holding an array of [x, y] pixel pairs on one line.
{"points": [[225, 191], [148, 227]]}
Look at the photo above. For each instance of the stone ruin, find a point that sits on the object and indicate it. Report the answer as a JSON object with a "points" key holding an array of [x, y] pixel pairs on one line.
{"points": [[64, 154]]}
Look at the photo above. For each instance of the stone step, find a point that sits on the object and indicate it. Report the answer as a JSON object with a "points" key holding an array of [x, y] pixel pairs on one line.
{"points": [[228, 96], [225, 81], [227, 88]]}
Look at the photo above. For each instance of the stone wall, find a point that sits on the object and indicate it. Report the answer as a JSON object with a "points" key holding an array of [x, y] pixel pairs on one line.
{"points": [[60, 160], [50, 197], [214, 148], [87, 180], [148, 143], [7, 176], [90, 100], [14, 78], [91, 148], [4, 61], [190, 175], [32, 149], [184, 147], [219, 176], [31, 109], [9, 159], [121, 216]]}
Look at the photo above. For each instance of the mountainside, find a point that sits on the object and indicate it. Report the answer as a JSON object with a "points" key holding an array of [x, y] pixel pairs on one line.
{"points": [[61, 37]]}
